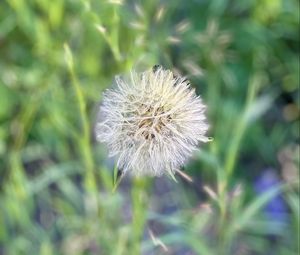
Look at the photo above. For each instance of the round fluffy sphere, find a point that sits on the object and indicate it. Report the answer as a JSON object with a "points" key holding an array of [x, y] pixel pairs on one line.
{"points": [[151, 122]]}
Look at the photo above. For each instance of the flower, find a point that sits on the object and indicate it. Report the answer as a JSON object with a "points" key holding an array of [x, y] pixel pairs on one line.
{"points": [[152, 122], [276, 208]]}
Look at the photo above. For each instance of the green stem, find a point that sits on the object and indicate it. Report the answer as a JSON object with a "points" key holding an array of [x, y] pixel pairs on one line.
{"points": [[241, 126], [140, 200], [84, 138]]}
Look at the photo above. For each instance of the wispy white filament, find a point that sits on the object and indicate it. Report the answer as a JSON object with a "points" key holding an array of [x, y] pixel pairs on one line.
{"points": [[151, 122]]}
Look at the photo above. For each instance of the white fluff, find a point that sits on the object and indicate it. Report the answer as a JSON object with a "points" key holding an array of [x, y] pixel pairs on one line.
{"points": [[152, 122]]}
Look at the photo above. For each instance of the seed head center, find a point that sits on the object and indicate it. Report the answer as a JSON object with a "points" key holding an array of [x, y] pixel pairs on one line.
{"points": [[153, 122]]}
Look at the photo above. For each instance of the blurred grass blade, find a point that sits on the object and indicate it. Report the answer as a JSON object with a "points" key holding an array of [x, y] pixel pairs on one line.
{"points": [[253, 208], [258, 108], [191, 240], [53, 174], [117, 178]]}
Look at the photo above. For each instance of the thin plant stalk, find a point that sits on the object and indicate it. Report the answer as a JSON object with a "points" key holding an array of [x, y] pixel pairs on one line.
{"points": [[240, 128], [84, 137], [140, 201]]}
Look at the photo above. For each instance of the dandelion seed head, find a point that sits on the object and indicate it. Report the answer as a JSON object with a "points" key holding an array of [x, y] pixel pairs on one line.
{"points": [[152, 122]]}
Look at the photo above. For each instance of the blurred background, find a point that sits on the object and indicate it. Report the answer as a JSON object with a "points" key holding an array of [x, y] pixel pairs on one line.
{"points": [[238, 195]]}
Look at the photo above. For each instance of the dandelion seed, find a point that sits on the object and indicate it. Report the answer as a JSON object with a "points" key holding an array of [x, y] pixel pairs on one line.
{"points": [[173, 40], [139, 10], [152, 122], [157, 242], [212, 28], [100, 28], [224, 38], [117, 2], [237, 191], [183, 26], [137, 25], [140, 40], [205, 207], [193, 68], [210, 192], [160, 13]]}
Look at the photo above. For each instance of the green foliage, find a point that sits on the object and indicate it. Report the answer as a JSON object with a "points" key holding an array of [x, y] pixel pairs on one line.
{"points": [[60, 194]]}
